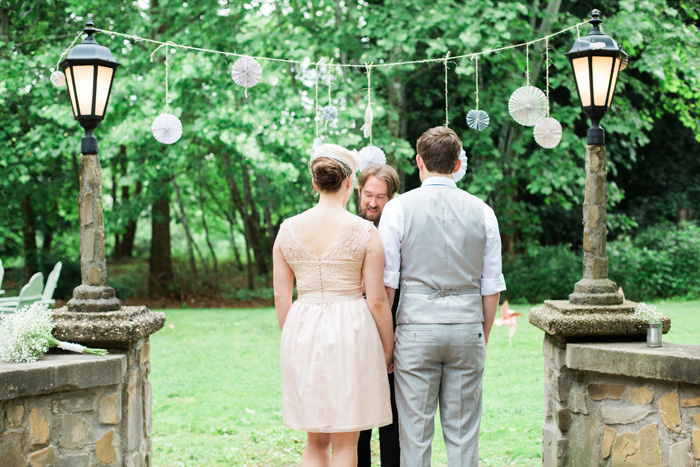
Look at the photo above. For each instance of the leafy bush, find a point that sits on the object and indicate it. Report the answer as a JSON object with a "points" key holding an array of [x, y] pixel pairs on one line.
{"points": [[660, 262], [542, 273]]}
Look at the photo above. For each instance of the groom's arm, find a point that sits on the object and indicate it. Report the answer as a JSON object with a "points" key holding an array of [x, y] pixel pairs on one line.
{"points": [[391, 233], [492, 281]]}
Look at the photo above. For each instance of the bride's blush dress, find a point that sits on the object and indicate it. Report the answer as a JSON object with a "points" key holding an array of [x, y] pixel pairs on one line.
{"points": [[334, 375]]}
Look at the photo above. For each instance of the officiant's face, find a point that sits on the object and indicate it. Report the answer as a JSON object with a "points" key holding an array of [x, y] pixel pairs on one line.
{"points": [[373, 197]]}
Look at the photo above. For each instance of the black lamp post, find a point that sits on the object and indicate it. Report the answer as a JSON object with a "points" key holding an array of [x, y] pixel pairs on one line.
{"points": [[596, 60], [89, 69]]}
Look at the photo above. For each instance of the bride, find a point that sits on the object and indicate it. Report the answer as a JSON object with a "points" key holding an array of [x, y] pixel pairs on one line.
{"points": [[336, 347]]}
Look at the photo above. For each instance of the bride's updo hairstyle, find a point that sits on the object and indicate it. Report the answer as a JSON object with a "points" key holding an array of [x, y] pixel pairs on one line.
{"points": [[331, 164]]}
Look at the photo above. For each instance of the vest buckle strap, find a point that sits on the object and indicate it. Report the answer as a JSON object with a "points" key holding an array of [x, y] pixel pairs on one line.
{"points": [[434, 294]]}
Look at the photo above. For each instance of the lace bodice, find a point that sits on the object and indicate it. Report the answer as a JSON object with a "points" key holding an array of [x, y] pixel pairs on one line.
{"points": [[339, 268]]}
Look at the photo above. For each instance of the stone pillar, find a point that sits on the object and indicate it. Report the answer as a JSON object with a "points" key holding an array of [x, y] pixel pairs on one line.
{"points": [[595, 288], [93, 294]]}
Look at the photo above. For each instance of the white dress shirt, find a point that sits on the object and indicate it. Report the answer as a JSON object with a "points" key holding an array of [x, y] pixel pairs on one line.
{"points": [[391, 233]]}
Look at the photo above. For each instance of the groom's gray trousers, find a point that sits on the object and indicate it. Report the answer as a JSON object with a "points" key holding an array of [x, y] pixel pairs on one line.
{"points": [[445, 363]]}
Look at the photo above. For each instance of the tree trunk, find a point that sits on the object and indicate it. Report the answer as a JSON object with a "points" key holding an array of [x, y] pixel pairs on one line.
{"points": [[160, 267], [128, 237], [254, 219], [31, 259], [186, 225], [215, 263]]}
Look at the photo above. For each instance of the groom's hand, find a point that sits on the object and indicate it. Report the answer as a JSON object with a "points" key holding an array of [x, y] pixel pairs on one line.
{"points": [[389, 363]]}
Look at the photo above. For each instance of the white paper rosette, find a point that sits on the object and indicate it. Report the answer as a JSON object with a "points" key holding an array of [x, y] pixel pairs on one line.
{"points": [[167, 128], [317, 143], [246, 72], [58, 79], [330, 113], [457, 176], [478, 119], [371, 155], [527, 105], [548, 133]]}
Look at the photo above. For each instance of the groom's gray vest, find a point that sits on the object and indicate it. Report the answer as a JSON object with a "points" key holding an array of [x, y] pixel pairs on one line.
{"points": [[441, 256]]}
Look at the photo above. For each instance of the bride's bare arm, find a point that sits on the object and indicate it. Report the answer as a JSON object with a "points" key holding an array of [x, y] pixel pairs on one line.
{"points": [[283, 282], [377, 301]]}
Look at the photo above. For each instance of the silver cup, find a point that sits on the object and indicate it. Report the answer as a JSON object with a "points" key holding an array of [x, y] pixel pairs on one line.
{"points": [[654, 333]]}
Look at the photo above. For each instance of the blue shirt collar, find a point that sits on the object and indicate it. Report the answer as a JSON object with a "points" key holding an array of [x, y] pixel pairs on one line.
{"points": [[439, 181]]}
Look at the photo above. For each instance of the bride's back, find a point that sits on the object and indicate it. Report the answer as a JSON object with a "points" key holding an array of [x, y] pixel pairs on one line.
{"points": [[319, 229]]}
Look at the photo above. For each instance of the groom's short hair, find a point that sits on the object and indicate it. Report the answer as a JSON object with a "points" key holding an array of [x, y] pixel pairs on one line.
{"points": [[439, 148]]}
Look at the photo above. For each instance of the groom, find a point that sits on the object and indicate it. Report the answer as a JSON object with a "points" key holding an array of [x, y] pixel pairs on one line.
{"points": [[442, 248]]}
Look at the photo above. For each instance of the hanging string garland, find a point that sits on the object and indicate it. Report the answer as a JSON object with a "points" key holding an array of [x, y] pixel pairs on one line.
{"points": [[166, 128], [548, 131], [369, 116], [246, 72], [330, 112], [477, 119], [318, 140], [528, 104], [457, 176]]}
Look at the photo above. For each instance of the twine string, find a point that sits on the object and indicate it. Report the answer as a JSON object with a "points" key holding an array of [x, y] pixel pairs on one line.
{"points": [[316, 118], [330, 76], [347, 65], [527, 64], [546, 60], [447, 113], [167, 69], [369, 94], [476, 67], [77, 36]]}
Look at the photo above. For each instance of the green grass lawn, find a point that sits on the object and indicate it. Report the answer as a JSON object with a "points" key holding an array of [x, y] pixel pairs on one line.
{"points": [[216, 390]]}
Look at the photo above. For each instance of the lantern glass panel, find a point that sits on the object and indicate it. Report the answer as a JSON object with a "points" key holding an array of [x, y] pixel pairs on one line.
{"points": [[614, 80], [69, 81], [84, 84], [104, 79], [602, 69], [582, 76]]}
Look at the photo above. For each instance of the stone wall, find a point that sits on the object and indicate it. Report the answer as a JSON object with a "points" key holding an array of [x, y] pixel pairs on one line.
{"points": [[70, 410], [621, 404]]}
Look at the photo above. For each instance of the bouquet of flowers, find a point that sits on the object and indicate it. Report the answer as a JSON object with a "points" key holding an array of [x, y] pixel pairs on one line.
{"points": [[25, 336], [649, 313]]}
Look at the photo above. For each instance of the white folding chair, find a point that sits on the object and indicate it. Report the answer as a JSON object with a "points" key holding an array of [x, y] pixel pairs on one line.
{"points": [[29, 294]]}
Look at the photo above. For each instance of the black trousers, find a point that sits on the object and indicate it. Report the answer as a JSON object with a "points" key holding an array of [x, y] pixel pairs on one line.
{"points": [[388, 439]]}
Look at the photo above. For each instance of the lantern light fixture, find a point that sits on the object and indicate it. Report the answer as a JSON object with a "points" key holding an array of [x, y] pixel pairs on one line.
{"points": [[89, 69], [596, 61]]}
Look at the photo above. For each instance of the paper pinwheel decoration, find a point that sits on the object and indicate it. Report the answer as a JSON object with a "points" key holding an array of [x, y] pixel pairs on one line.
{"points": [[477, 119], [371, 155], [457, 176], [317, 143], [508, 318], [58, 79], [548, 132], [330, 113], [246, 72], [167, 128], [527, 105]]}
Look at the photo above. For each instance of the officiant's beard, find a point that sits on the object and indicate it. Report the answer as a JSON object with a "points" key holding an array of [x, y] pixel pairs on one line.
{"points": [[372, 217]]}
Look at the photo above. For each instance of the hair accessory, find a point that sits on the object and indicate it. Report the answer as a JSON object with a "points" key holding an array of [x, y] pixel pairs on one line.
{"points": [[349, 160]]}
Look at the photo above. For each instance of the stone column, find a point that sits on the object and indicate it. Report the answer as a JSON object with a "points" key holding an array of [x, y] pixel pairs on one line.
{"points": [[595, 288], [93, 294]]}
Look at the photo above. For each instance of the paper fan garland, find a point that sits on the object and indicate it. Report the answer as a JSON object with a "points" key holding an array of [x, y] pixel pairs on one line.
{"points": [[246, 72], [371, 155], [548, 133], [457, 176], [58, 79], [527, 105], [478, 119], [167, 128]]}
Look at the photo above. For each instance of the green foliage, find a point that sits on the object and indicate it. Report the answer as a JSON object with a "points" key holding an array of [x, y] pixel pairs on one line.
{"points": [[661, 262], [541, 273]]}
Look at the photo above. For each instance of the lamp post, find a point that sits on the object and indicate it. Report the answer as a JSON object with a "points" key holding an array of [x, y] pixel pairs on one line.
{"points": [[596, 60], [89, 69]]}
